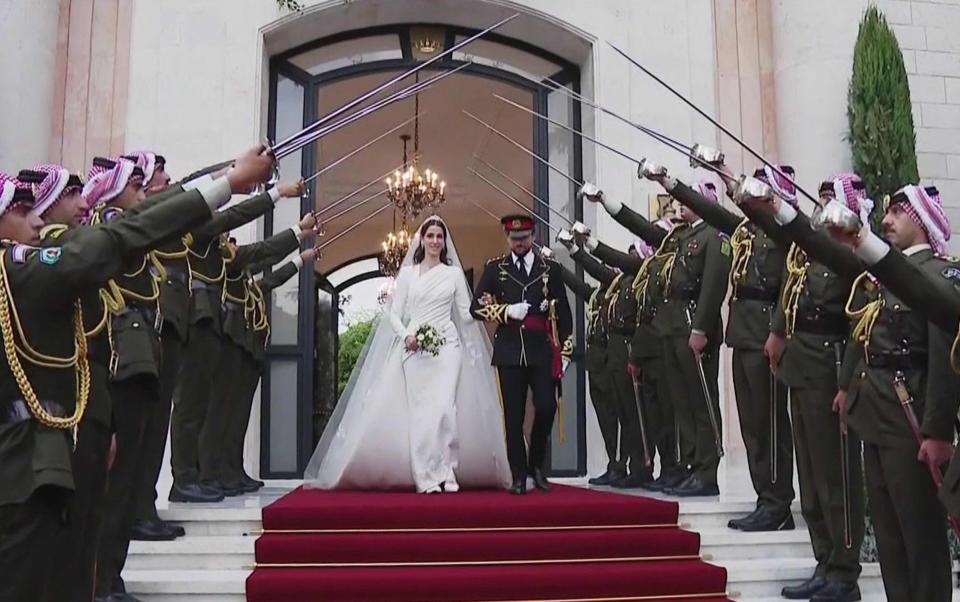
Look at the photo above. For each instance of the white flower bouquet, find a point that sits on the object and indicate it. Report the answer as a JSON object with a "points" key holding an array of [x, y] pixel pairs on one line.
{"points": [[429, 340]]}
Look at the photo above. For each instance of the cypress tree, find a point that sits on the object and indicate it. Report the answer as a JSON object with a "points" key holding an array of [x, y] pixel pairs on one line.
{"points": [[881, 136]]}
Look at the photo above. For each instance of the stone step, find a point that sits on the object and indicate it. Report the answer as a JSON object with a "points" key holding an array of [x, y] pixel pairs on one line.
{"points": [[709, 513], [211, 520], [749, 579], [726, 544], [193, 552], [179, 585]]}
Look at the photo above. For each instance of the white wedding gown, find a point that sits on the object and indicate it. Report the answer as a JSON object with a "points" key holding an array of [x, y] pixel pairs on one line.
{"points": [[412, 420]]}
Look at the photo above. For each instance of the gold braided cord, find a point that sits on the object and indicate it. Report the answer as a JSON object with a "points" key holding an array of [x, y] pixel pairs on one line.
{"points": [[26, 350], [742, 245], [641, 278], [112, 305], [82, 363], [238, 300], [593, 312], [867, 315], [219, 278], [611, 293], [797, 267]]}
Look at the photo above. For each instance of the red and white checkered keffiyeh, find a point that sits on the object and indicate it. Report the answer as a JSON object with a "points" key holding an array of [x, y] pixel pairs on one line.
{"points": [[105, 184], [53, 187], [8, 186], [848, 189], [784, 187], [145, 160], [642, 248], [926, 210]]}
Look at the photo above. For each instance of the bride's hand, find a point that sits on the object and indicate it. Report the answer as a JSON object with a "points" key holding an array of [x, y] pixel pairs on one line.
{"points": [[411, 343]]}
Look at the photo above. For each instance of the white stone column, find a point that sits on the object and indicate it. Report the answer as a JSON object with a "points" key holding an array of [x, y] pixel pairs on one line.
{"points": [[27, 73]]}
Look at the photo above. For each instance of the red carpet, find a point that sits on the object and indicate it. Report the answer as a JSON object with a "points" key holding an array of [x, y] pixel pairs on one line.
{"points": [[478, 546]]}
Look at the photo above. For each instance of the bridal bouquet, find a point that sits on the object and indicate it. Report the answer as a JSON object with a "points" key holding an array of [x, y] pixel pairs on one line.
{"points": [[429, 339]]}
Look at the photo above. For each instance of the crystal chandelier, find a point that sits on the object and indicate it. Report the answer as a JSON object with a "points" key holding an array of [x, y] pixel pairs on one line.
{"points": [[393, 250], [411, 191]]}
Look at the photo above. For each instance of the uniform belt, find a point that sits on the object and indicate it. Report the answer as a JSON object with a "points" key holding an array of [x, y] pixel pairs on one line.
{"points": [[754, 293], [232, 306], [622, 331], [896, 360], [17, 411], [827, 324], [149, 314]]}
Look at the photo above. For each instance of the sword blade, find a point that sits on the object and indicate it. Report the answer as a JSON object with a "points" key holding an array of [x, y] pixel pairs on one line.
{"points": [[637, 397], [352, 103], [353, 227], [356, 191], [523, 188], [555, 169], [515, 201], [359, 149], [773, 428], [716, 123], [711, 414]]}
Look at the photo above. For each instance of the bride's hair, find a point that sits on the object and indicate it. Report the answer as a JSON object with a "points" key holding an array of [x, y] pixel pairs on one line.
{"points": [[419, 254]]}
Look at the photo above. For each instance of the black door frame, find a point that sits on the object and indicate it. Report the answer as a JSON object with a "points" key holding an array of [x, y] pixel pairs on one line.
{"points": [[304, 352]]}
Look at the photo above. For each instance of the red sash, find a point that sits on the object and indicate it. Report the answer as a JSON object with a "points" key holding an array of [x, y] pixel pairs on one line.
{"points": [[542, 324]]}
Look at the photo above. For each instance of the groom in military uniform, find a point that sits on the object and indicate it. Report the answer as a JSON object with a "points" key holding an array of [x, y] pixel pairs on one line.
{"points": [[524, 295]]}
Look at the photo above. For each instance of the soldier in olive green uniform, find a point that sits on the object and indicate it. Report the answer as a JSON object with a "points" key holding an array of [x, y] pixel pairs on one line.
{"points": [[244, 386], [601, 393], [234, 343], [207, 255], [899, 357], [665, 242], [44, 391], [646, 360], [757, 267], [622, 325], [60, 205], [809, 337]]}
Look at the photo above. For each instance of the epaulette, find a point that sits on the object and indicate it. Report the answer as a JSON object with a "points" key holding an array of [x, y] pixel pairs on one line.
{"points": [[20, 253], [53, 231], [948, 258], [723, 235], [496, 259]]}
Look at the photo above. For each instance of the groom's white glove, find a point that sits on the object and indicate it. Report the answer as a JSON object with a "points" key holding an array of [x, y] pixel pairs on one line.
{"points": [[518, 311]]}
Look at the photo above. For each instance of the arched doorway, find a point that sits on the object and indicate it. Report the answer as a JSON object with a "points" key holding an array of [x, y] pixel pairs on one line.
{"points": [[308, 81]]}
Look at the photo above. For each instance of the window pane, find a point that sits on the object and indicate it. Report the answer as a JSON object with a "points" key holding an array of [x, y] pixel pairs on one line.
{"points": [[283, 415], [349, 52], [289, 120], [561, 196], [501, 56]]}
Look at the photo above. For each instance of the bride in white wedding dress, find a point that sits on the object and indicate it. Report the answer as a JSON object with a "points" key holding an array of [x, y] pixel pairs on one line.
{"points": [[409, 419]]}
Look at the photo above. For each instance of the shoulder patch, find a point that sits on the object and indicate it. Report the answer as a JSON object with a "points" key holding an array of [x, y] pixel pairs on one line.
{"points": [[21, 253], [724, 246], [53, 231], [951, 273], [50, 255]]}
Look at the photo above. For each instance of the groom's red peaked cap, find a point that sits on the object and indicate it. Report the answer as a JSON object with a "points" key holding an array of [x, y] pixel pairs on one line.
{"points": [[517, 226]]}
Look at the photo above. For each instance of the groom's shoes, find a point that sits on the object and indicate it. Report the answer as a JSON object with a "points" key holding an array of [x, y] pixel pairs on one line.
{"points": [[540, 481], [519, 486]]}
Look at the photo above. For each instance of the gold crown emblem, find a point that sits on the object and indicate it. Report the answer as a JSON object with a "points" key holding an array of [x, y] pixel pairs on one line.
{"points": [[517, 223], [427, 46]]}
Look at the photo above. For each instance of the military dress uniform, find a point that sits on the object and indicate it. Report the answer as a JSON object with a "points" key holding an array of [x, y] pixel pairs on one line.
{"points": [[207, 256], [647, 353], [601, 394], [897, 356], [680, 421], [43, 394], [244, 386], [937, 296], [234, 344], [695, 284], [811, 318], [527, 353], [756, 269], [622, 325]]}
